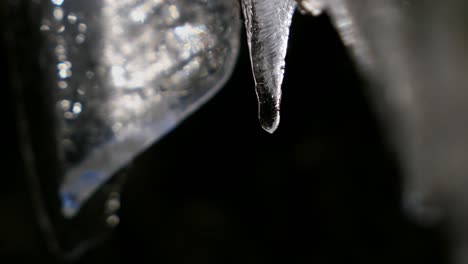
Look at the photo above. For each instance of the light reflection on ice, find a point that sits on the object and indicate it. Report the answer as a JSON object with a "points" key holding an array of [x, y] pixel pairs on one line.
{"points": [[124, 73]]}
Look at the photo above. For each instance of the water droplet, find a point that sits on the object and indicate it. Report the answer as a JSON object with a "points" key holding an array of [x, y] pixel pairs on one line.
{"points": [[80, 38], [82, 27], [58, 13], [113, 203], [81, 91], [268, 112], [45, 27], [60, 50], [62, 57], [62, 84], [113, 220], [68, 115], [64, 65], [77, 108], [69, 204], [57, 2], [65, 104], [65, 73], [89, 74], [61, 29], [72, 18]]}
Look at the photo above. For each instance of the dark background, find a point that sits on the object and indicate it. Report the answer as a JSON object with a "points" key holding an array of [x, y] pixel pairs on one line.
{"points": [[325, 188]]}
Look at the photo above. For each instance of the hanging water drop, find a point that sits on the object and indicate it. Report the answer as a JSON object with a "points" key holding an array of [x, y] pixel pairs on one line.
{"points": [[113, 203], [113, 220], [111, 208]]}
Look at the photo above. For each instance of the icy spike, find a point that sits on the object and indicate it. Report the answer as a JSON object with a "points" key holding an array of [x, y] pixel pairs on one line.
{"points": [[267, 25]]}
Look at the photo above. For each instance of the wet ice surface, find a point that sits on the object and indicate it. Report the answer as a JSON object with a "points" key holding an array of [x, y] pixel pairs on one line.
{"points": [[267, 23], [124, 73]]}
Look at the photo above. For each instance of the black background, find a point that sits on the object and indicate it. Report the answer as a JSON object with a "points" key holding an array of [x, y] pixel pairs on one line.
{"points": [[325, 188]]}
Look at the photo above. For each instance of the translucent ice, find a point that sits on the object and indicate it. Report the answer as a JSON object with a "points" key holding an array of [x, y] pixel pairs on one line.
{"points": [[123, 73], [267, 23]]}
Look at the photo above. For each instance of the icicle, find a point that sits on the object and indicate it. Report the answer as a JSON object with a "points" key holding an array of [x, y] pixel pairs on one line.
{"points": [[267, 23]]}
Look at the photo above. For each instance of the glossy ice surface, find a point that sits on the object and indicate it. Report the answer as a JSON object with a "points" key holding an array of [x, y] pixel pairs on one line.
{"points": [[125, 72], [267, 25]]}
